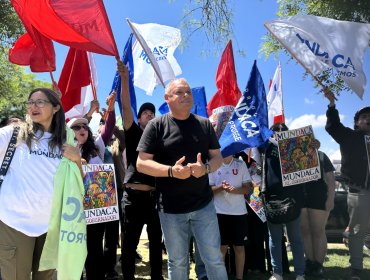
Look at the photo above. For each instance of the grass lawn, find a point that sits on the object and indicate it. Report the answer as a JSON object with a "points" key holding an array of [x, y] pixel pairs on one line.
{"points": [[335, 265]]}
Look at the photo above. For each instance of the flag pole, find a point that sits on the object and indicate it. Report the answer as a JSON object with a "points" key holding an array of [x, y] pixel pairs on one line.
{"points": [[281, 90], [101, 4], [92, 80], [148, 56], [110, 106]]}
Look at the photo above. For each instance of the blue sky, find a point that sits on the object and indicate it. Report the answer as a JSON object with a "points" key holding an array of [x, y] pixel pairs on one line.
{"points": [[303, 104]]}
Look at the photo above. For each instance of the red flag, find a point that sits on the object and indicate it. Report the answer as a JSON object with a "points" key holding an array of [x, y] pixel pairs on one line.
{"points": [[225, 99], [79, 24], [32, 48], [75, 75]]}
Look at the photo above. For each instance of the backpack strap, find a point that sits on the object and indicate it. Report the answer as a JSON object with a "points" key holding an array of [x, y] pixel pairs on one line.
{"points": [[10, 150]]}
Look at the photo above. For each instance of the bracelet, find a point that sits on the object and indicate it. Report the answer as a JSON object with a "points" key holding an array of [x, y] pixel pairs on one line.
{"points": [[170, 174]]}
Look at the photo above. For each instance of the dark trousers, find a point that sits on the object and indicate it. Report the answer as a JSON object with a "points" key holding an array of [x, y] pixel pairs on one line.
{"points": [[139, 209], [99, 260]]}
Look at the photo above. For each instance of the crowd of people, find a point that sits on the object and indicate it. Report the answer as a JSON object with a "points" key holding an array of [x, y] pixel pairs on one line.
{"points": [[172, 178]]}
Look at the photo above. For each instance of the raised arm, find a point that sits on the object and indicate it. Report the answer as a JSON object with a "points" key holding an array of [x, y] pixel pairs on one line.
{"points": [[110, 122], [127, 115]]}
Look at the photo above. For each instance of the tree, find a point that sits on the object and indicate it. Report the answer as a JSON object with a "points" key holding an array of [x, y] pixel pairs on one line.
{"points": [[349, 10], [214, 17], [15, 83], [10, 25]]}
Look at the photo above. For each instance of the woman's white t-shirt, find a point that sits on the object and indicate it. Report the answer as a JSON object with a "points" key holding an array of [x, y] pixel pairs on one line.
{"points": [[27, 189]]}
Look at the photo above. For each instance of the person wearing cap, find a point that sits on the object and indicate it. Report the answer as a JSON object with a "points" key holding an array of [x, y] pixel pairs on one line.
{"points": [[92, 152], [180, 149], [138, 199], [355, 170]]}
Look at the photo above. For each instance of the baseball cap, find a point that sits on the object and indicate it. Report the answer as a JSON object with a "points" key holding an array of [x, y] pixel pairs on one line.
{"points": [[76, 121], [146, 106]]}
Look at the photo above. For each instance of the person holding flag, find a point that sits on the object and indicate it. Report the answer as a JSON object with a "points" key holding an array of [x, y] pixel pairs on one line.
{"points": [[138, 199], [354, 146]]}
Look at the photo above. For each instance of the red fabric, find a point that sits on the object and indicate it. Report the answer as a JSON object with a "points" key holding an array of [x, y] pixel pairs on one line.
{"points": [[279, 119], [79, 24], [75, 75], [228, 92], [32, 48]]}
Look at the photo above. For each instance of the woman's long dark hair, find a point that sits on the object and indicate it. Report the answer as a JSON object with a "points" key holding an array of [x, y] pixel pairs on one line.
{"points": [[89, 149], [57, 127]]}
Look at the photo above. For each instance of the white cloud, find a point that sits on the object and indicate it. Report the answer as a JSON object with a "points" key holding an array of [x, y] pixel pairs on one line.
{"points": [[307, 119], [317, 121], [308, 101], [334, 154]]}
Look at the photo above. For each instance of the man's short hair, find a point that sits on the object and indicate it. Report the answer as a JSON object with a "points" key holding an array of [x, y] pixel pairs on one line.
{"points": [[169, 85], [358, 113]]}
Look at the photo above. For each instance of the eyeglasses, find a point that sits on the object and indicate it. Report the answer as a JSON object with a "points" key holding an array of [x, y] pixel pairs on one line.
{"points": [[78, 127], [39, 103]]}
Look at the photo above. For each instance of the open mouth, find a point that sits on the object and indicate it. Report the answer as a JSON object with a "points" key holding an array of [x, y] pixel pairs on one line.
{"points": [[35, 113]]}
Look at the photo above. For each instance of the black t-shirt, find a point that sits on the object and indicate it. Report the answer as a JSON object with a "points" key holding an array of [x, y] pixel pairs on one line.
{"points": [[133, 135], [169, 139]]}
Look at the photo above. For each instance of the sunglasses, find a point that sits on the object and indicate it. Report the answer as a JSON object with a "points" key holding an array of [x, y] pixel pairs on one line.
{"points": [[78, 127]]}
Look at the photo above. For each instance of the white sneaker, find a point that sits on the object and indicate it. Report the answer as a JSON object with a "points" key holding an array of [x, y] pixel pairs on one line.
{"points": [[276, 277], [300, 277]]}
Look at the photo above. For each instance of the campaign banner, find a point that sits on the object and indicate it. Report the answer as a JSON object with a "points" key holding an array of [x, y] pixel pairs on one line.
{"points": [[299, 160], [256, 203], [220, 117], [100, 198], [367, 144]]}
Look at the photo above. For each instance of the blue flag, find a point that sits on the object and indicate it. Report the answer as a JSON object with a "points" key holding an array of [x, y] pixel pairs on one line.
{"points": [[248, 125], [200, 103], [128, 61]]}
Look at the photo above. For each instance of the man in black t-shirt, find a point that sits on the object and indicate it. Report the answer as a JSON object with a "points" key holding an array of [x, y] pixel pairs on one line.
{"points": [[138, 198], [180, 149]]}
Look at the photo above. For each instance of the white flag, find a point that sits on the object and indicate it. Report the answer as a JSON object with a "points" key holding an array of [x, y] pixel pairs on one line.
{"points": [[156, 62], [320, 43], [275, 99], [87, 96]]}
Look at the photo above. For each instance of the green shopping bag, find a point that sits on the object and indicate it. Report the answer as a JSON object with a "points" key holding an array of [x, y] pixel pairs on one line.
{"points": [[65, 246]]}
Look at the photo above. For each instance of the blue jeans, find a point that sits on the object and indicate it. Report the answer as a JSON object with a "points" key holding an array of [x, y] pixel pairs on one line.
{"points": [[177, 230], [296, 245]]}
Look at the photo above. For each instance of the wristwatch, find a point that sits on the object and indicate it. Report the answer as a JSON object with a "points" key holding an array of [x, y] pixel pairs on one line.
{"points": [[208, 168]]}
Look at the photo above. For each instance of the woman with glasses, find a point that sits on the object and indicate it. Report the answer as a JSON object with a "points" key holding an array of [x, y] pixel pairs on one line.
{"points": [[92, 152], [27, 190]]}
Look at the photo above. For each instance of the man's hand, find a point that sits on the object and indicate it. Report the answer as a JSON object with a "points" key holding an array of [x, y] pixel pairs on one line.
{"points": [[179, 171], [94, 105], [110, 100], [330, 96], [122, 70], [198, 169]]}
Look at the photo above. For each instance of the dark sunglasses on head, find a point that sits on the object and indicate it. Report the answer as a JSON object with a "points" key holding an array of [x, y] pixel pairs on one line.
{"points": [[78, 127]]}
